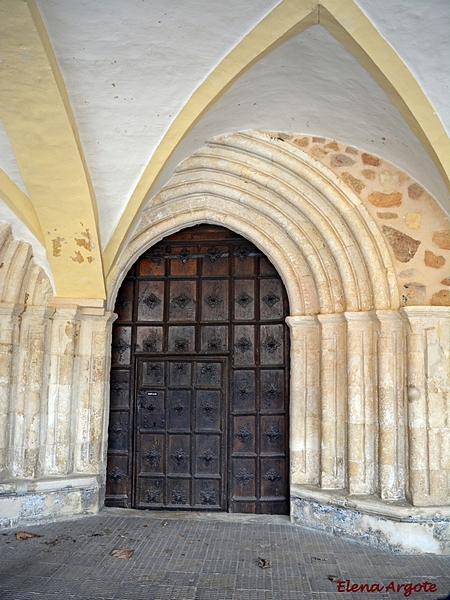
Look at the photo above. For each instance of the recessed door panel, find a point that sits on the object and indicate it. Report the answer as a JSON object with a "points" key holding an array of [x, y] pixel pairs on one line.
{"points": [[199, 385]]}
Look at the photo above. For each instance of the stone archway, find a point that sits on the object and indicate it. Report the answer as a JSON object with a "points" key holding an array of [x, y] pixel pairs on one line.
{"points": [[349, 340]]}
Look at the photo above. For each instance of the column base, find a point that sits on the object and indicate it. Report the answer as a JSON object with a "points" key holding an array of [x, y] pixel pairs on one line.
{"points": [[393, 525], [27, 502]]}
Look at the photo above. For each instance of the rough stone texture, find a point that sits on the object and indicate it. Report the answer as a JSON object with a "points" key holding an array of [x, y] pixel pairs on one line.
{"points": [[433, 260], [301, 142], [442, 239], [446, 281], [369, 174], [351, 150], [413, 294], [368, 159], [415, 191], [356, 184], [382, 200], [441, 298], [341, 160], [387, 215], [333, 146], [413, 220], [388, 179], [404, 246]]}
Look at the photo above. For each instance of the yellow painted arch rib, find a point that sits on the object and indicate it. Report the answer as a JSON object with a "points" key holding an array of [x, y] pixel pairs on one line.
{"points": [[347, 22]]}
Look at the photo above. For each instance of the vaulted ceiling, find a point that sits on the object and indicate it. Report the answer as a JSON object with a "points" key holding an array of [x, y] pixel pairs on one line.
{"points": [[99, 101]]}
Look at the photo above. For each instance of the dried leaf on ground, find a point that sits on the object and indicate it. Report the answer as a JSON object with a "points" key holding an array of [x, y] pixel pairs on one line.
{"points": [[333, 577], [24, 535], [53, 543], [122, 552], [263, 563], [317, 558]]}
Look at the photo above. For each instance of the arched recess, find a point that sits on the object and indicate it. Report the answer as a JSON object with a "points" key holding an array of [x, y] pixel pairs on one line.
{"points": [[341, 287], [326, 247]]}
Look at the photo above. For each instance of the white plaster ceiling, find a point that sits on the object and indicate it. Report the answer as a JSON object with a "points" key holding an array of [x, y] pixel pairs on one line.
{"points": [[419, 31], [312, 84], [130, 65]]}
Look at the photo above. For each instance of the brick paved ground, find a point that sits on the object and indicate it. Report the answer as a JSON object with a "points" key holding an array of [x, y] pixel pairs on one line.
{"points": [[188, 558]]}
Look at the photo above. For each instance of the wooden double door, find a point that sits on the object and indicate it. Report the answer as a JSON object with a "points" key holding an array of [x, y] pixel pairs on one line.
{"points": [[199, 394]]}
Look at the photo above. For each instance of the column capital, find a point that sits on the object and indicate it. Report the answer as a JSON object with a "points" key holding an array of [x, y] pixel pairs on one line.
{"points": [[302, 321]]}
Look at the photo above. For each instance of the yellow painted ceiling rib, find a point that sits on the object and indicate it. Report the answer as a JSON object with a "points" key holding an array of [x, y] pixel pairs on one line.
{"points": [[41, 133], [347, 22], [20, 204]]}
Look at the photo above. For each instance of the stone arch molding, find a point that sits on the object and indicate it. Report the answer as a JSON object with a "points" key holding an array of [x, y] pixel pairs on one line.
{"points": [[318, 234], [368, 378]]}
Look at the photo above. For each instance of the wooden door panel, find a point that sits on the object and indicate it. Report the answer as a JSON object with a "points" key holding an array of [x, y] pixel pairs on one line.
{"points": [[214, 300], [244, 434], [150, 300], [244, 345], [244, 300], [214, 339], [183, 300], [179, 409], [199, 396], [243, 391], [208, 459]]}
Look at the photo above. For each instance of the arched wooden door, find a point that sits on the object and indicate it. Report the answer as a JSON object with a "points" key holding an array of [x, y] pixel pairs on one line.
{"points": [[199, 379]]}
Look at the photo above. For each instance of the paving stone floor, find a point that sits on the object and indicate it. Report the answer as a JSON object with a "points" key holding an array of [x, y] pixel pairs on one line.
{"points": [[209, 558]]}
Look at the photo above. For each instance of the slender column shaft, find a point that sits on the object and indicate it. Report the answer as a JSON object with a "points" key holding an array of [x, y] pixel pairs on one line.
{"points": [[333, 389], [391, 405], [91, 408], [62, 387], [8, 341], [361, 373], [304, 399]]}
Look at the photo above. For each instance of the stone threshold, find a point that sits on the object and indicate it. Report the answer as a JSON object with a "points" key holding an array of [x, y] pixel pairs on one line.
{"points": [[198, 516], [48, 484], [398, 510], [395, 526]]}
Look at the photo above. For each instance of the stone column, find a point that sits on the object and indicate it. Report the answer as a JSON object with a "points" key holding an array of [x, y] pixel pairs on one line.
{"points": [[91, 404], [30, 387], [391, 405], [333, 388], [304, 399], [362, 418], [60, 417], [428, 379], [8, 341]]}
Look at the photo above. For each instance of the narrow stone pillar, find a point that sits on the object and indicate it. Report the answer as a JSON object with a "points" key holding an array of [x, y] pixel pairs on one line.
{"points": [[91, 404], [333, 388], [30, 387], [428, 379], [8, 341], [391, 405], [304, 399], [60, 417], [362, 417]]}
